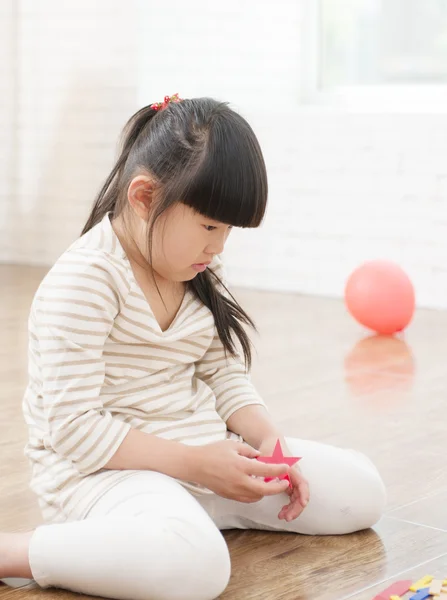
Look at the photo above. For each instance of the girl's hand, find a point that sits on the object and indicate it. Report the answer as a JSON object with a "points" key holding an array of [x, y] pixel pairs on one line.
{"points": [[229, 469], [299, 496], [298, 490]]}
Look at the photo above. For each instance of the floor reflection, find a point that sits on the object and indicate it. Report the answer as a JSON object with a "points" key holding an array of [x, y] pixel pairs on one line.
{"points": [[378, 363]]}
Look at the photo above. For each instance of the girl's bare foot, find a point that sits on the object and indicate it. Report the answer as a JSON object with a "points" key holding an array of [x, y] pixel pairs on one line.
{"points": [[14, 561]]}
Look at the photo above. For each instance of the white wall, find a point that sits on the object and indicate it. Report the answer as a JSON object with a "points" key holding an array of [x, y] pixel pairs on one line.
{"points": [[348, 188], [77, 84], [8, 127], [343, 187]]}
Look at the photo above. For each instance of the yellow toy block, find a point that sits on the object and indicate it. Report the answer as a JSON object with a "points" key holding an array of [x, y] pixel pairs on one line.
{"points": [[395, 598], [435, 587], [421, 583]]}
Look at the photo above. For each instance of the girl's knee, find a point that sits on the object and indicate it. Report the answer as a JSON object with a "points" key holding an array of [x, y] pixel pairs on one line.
{"points": [[209, 572], [197, 562], [365, 501], [348, 496]]}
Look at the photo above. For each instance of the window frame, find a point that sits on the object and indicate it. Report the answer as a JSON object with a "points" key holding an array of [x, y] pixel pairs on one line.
{"points": [[400, 98]]}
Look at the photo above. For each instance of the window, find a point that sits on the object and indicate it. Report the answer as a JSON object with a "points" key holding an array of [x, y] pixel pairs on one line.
{"points": [[376, 48]]}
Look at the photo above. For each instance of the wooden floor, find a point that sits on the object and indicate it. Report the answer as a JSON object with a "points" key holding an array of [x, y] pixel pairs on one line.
{"points": [[324, 378]]}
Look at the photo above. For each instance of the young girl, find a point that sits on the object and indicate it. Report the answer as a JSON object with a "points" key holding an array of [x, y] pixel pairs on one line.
{"points": [[144, 427]]}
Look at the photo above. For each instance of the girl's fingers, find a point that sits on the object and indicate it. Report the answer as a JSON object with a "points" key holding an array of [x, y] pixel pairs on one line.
{"points": [[291, 512], [303, 490], [260, 469], [299, 497], [304, 493], [300, 485], [271, 488]]}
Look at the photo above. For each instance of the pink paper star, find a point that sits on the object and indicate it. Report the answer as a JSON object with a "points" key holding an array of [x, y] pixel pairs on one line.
{"points": [[278, 458]]}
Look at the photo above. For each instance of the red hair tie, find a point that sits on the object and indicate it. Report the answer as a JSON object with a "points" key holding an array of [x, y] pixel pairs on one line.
{"points": [[166, 101]]}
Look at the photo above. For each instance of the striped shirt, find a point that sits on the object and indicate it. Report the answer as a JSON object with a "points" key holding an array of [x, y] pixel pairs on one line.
{"points": [[99, 365]]}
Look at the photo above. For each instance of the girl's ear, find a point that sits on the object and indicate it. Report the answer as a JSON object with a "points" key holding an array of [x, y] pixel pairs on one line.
{"points": [[141, 196]]}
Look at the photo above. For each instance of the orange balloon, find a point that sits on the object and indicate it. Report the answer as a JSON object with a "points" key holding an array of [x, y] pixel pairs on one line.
{"points": [[380, 296]]}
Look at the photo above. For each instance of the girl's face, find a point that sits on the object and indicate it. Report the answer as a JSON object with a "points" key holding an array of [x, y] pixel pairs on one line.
{"points": [[185, 242]]}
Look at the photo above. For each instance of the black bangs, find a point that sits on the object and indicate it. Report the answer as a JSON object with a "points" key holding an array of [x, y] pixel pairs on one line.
{"points": [[229, 184]]}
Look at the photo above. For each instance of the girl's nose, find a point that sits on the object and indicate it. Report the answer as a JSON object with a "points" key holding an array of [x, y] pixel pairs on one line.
{"points": [[217, 245]]}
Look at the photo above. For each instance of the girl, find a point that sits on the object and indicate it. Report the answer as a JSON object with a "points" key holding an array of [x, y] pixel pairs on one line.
{"points": [[143, 424]]}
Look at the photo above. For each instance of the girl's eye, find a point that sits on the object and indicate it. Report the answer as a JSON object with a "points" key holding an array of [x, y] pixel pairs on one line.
{"points": [[209, 227]]}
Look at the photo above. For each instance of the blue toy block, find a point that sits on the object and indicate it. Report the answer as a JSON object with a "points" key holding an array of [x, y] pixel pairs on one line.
{"points": [[421, 594]]}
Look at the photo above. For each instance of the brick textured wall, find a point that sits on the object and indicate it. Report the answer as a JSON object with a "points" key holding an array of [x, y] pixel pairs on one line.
{"points": [[350, 188], [343, 187], [76, 73]]}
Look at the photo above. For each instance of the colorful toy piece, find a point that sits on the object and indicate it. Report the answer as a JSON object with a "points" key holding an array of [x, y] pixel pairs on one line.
{"points": [[436, 587], [396, 589], [278, 458], [421, 583], [426, 588], [422, 594]]}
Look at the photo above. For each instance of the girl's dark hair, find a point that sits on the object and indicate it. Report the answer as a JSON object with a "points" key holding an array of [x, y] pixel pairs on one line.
{"points": [[203, 154]]}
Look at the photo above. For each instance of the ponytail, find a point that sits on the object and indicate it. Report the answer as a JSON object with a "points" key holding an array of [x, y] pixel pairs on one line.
{"points": [[108, 197], [228, 314]]}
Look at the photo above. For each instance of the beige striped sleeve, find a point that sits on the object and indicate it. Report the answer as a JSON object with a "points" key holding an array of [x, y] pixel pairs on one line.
{"points": [[226, 375], [74, 311]]}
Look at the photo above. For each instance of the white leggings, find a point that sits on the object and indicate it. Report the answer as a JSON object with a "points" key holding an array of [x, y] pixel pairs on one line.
{"points": [[150, 539]]}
